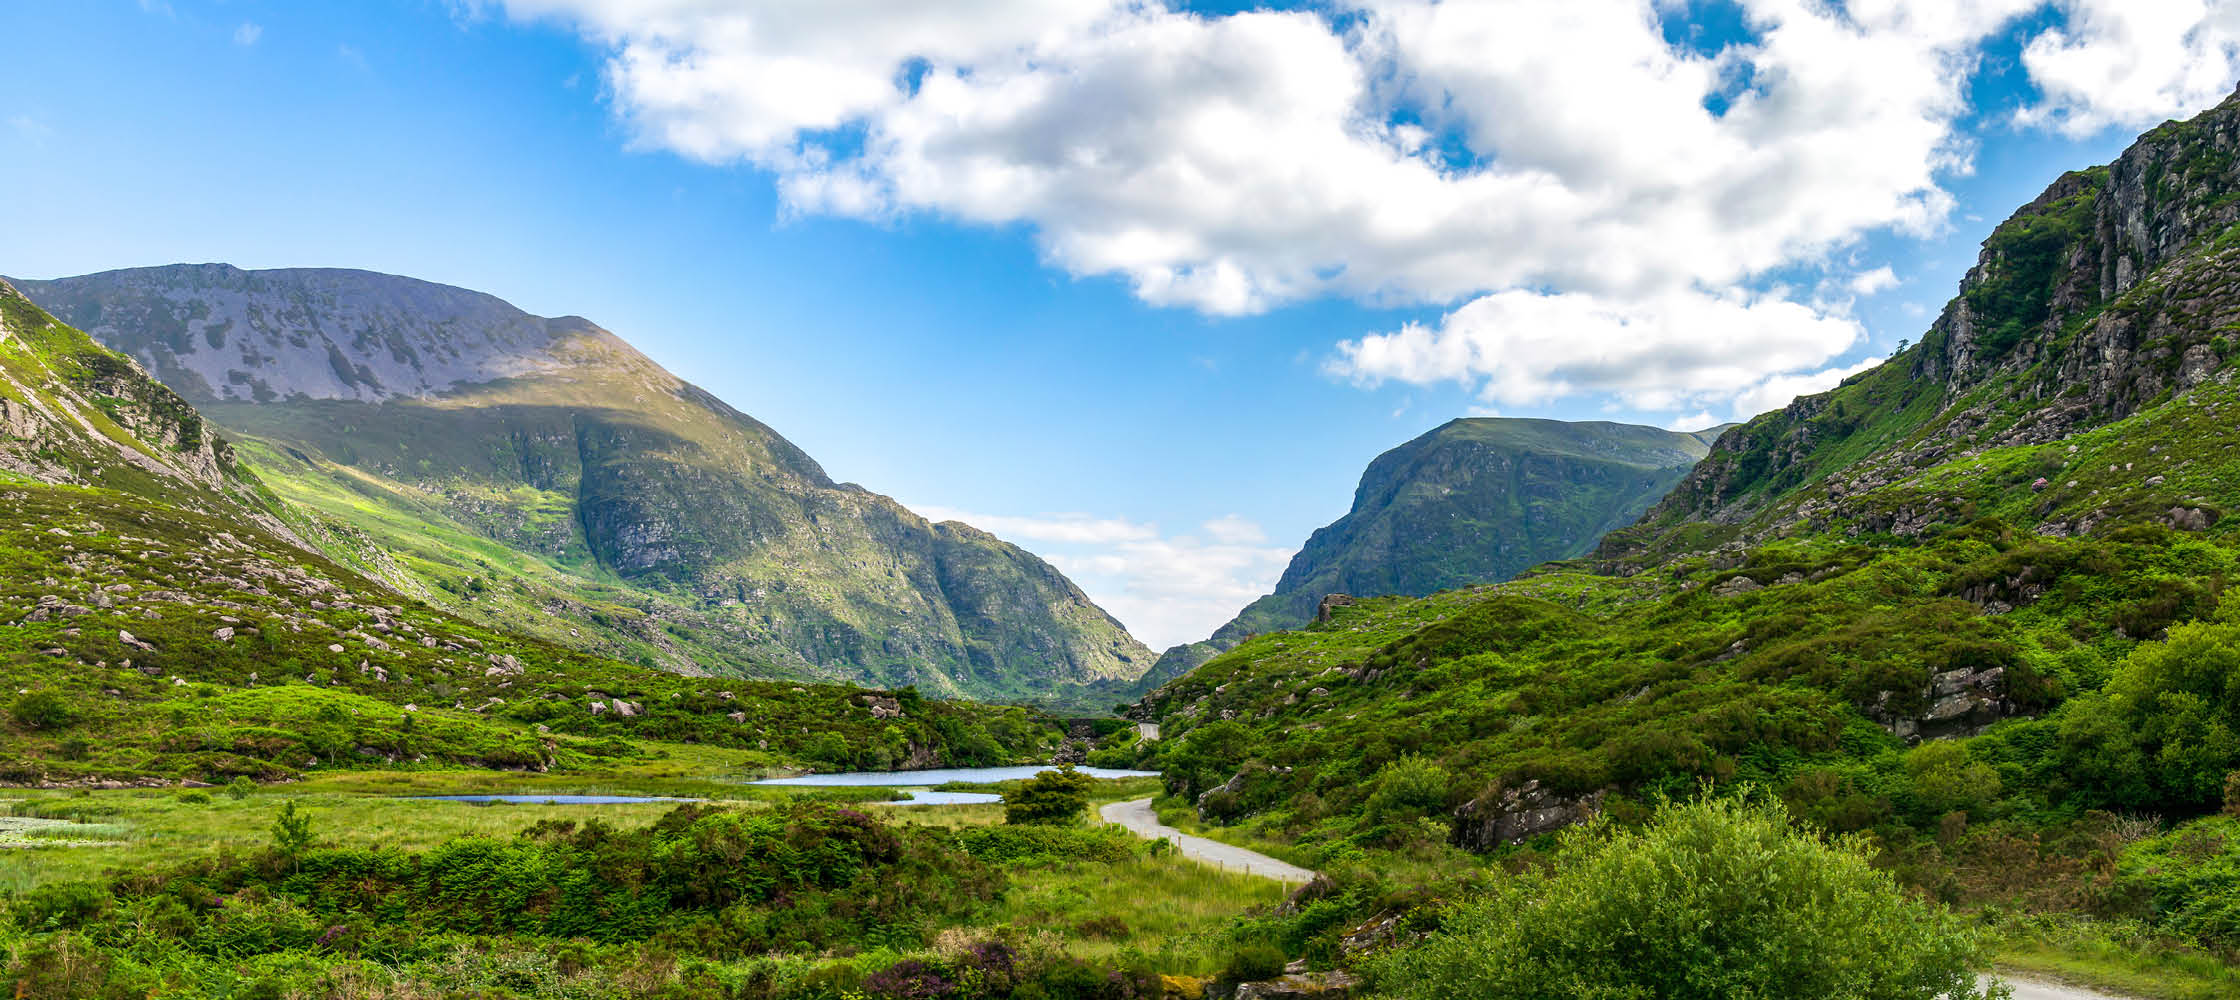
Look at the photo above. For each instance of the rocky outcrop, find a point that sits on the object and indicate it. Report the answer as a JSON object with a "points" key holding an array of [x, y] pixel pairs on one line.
{"points": [[1329, 605], [2107, 292], [74, 413], [1959, 702], [1301, 986], [1512, 814]]}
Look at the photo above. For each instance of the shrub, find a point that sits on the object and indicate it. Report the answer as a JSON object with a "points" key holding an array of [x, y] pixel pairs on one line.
{"points": [[1409, 788], [1254, 962], [2192, 876], [1050, 797], [61, 906], [1035, 844], [240, 788], [1714, 899], [42, 709], [2166, 729]]}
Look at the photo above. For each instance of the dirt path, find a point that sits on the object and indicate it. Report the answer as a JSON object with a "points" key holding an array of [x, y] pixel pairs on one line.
{"points": [[1136, 816], [2033, 989]]}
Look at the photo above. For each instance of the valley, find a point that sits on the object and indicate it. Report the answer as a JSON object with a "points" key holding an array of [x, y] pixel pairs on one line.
{"points": [[368, 638]]}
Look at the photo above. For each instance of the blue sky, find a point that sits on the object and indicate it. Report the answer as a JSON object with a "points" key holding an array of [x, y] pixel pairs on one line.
{"points": [[857, 230]]}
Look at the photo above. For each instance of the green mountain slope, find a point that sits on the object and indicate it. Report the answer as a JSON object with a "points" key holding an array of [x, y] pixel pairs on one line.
{"points": [[163, 619], [1980, 583], [1474, 501], [541, 475]]}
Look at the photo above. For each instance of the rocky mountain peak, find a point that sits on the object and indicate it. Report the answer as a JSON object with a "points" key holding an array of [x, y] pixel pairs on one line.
{"points": [[2109, 290], [218, 333]]}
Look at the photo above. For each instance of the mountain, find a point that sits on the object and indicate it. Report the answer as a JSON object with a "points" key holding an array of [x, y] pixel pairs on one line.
{"points": [[1476, 500], [165, 617], [543, 476], [1983, 582]]}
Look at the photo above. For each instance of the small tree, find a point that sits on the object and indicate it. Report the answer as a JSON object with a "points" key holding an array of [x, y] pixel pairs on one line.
{"points": [[1050, 797], [291, 832]]}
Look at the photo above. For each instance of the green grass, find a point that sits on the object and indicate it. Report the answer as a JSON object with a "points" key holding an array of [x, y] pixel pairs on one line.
{"points": [[2122, 957], [1176, 915]]}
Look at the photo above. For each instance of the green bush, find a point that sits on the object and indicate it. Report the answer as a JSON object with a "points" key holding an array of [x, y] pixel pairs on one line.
{"points": [[1713, 900], [1254, 962], [42, 709], [2166, 730], [1409, 788], [2192, 877], [61, 906], [1050, 797], [1035, 844], [240, 788]]}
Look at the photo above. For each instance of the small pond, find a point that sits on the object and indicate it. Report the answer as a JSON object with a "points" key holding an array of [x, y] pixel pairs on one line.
{"points": [[942, 776], [558, 800]]}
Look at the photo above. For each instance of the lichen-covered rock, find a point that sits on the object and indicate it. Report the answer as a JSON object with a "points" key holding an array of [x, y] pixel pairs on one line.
{"points": [[1301, 986], [1512, 814]]}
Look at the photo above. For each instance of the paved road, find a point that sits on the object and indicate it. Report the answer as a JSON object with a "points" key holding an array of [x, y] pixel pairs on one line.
{"points": [[1138, 818]]}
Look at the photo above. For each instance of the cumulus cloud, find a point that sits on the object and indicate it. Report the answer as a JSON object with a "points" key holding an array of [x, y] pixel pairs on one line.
{"points": [[1399, 152], [1870, 282], [2131, 63], [247, 33], [1671, 352], [1405, 152], [1776, 392], [1166, 589]]}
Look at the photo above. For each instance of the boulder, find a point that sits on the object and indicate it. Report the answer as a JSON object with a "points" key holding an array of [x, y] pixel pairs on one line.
{"points": [[1301, 986], [1329, 605], [1511, 814]]}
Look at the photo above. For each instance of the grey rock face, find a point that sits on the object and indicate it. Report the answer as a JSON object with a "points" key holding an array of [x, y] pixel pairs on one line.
{"points": [[2072, 322], [216, 333], [1512, 815], [1959, 702]]}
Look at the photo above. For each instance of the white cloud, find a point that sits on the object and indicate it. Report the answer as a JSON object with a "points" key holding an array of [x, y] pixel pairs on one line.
{"points": [[1073, 528], [1167, 589], [247, 33], [2132, 62], [1392, 151], [1870, 282], [1684, 350], [1776, 392]]}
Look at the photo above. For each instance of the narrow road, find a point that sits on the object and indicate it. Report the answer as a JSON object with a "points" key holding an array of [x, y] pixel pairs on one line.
{"points": [[1136, 817], [2032, 989]]}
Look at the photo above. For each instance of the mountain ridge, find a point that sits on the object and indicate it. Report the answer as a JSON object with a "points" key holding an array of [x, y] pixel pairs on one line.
{"points": [[1475, 500], [683, 532]]}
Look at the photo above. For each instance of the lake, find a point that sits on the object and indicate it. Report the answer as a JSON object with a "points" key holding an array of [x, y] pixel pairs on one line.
{"points": [[558, 800], [943, 776]]}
